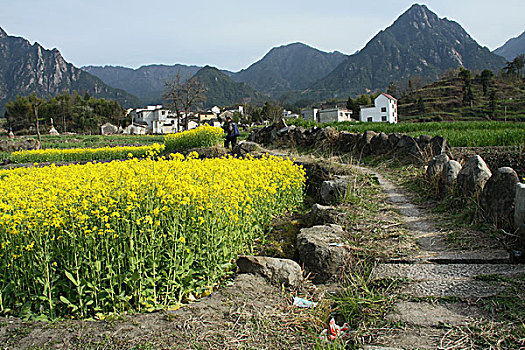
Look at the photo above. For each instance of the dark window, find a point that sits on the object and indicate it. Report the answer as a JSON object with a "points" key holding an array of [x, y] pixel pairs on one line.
{"points": [[383, 109], [369, 119], [383, 118]]}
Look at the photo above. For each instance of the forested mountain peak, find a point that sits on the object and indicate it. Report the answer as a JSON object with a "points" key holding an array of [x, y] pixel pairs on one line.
{"points": [[418, 44], [512, 48], [26, 69], [289, 67]]}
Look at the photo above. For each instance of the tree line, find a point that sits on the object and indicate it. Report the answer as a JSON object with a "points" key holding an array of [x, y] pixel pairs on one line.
{"points": [[70, 113]]}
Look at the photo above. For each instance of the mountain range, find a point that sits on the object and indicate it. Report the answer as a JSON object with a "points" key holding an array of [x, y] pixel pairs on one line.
{"points": [[512, 48], [418, 43], [221, 90], [27, 68], [146, 82], [288, 68]]}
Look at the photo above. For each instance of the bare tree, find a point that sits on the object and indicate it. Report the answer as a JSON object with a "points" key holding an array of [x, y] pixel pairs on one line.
{"points": [[181, 97], [35, 104]]}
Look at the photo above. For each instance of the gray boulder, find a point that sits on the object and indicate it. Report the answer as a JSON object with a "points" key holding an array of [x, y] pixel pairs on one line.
{"points": [[348, 141], [394, 139], [323, 214], [275, 270], [438, 145], [333, 191], [407, 145], [247, 147], [364, 142], [380, 144], [497, 198], [435, 166], [450, 173], [519, 211], [473, 176], [322, 250]]}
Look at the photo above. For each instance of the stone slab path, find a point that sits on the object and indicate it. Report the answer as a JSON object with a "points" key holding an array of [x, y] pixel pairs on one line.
{"points": [[435, 271]]}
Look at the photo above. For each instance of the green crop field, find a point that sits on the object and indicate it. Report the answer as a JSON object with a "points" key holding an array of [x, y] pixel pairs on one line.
{"points": [[458, 134]]}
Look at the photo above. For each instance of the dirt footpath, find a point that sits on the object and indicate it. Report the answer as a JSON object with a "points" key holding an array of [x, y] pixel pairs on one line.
{"points": [[248, 314]]}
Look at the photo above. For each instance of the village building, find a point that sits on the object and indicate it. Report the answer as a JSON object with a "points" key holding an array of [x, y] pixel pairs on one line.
{"points": [[289, 114], [327, 115], [384, 110], [154, 119], [310, 114]]}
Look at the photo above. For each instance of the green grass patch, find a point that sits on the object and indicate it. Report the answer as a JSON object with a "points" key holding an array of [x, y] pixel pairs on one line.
{"points": [[458, 134]]}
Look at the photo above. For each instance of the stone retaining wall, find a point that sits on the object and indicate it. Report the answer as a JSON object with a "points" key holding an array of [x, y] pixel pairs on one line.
{"points": [[367, 143], [498, 192]]}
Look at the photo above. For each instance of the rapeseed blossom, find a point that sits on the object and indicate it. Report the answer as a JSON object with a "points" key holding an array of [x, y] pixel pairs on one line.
{"points": [[84, 154], [136, 234]]}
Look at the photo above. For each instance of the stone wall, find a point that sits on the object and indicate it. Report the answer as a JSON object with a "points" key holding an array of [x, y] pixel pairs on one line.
{"points": [[498, 191], [499, 194], [365, 144]]}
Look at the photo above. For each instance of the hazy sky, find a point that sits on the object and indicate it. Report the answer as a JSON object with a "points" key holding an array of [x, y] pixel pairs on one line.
{"points": [[230, 34]]}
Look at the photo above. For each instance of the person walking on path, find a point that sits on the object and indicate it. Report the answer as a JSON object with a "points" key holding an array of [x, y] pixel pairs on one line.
{"points": [[232, 132]]}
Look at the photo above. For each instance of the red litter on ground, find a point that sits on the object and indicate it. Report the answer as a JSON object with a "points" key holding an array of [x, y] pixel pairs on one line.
{"points": [[334, 331]]}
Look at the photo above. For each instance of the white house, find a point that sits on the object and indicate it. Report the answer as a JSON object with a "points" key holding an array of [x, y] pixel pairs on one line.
{"points": [[156, 119], [289, 114], [327, 115], [310, 114], [334, 115], [384, 110]]}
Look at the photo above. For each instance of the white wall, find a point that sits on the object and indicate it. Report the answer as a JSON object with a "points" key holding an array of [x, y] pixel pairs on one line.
{"points": [[385, 111], [309, 114], [334, 115]]}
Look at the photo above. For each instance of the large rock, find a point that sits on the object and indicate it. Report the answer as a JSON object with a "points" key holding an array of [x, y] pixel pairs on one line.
{"points": [[497, 198], [519, 211], [322, 250], [298, 136], [265, 135], [407, 145], [435, 166], [394, 138], [334, 191], [323, 214], [277, 271], [438, 145], [364, 142], [247, 147], [348, 141], [473, 176], [326, 135], [449, 175], [380, 144]]}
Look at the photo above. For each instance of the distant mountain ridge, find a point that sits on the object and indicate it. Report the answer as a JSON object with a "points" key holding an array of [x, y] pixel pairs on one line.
{"points": [[223, 90], [27, 69], [289, 67], [417, 43], [146, 82], [512, 48]]}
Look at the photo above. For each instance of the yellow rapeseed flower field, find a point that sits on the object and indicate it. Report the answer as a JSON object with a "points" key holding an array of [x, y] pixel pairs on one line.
{"points": [[83, 154], [132, 235], [203, 136]]}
